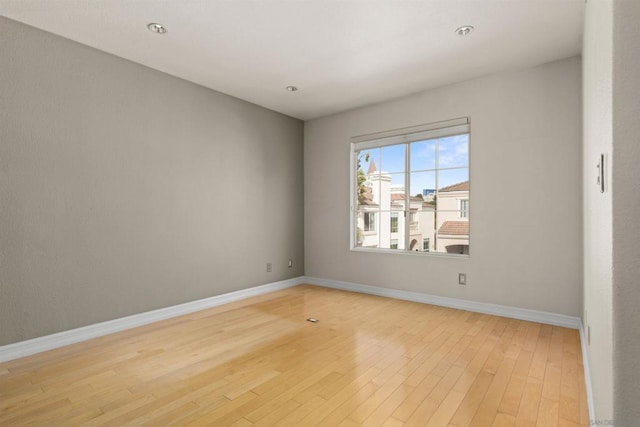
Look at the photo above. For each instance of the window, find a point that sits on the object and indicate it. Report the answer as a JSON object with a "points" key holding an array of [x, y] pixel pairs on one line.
{"points": [[464, 208], [369, 221], [413, 183], [394, 222]]}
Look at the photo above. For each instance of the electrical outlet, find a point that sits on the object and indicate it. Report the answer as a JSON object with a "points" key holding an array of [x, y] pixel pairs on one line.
{"points": [[269, 267], [462, 278], [290, 263]]}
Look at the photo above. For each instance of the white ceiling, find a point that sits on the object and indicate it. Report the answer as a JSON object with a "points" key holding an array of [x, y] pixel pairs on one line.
{"points": [[340, 53]]}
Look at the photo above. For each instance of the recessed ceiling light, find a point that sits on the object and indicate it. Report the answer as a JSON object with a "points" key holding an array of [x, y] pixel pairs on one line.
{"points": [[291, 88], [463, 31], [157, 28]]}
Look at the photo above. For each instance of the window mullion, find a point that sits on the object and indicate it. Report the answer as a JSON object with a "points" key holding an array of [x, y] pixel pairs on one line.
{"points": [[407, 196], [379, 230], [435, 208]]}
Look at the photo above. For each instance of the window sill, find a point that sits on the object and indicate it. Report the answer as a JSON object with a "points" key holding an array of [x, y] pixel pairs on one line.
{"points": [[410, 253]]}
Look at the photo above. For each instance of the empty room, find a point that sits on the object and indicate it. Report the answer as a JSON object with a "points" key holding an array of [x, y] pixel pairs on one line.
{"points": [[333, 213]]}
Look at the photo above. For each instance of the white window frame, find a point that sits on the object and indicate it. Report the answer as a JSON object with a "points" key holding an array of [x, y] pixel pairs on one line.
{"points": [[399, 136]]}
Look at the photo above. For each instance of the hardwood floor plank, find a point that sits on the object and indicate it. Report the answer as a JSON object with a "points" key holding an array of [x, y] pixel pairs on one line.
{"points": [[294, 417], [386, 408], [528, 409], [278, 414], [504, 420], [392, 422], [363, 411], [510, 348]]}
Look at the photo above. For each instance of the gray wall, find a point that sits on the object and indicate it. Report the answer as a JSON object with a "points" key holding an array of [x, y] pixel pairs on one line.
{"points": [[611, 228], [626, 209], [123, 189], [598, 275], [526, 173]]}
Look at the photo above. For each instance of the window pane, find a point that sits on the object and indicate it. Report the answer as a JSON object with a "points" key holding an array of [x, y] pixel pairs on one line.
{"points": [[396, 230], [380, 229], [392, 158], [453, 185], [368, 157], [423, 185], [357, 231], [422, 206], [453, 180], [396, 193], [423, 155], [452, 232], [453, 151], [387, 235], [368, 161], [366, 186], [421, 226], [368, 225]]}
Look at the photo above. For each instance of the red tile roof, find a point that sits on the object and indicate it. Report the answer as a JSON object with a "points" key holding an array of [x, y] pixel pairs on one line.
{"points": [[400, 196], [455, 228], [461, 186]]}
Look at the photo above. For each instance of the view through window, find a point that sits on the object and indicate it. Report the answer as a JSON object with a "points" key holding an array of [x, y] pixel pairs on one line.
{"points": [[413, 195]]}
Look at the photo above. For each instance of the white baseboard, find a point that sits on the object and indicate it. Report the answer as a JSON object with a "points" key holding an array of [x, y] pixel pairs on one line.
{"points": [[479, 307], [587, 372], [60, 339]]}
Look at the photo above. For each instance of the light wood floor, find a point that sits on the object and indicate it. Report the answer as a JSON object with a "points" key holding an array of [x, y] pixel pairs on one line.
{"points": [[369, 361]]}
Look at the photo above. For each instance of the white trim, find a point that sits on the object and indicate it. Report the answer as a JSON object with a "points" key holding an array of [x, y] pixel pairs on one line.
{"points": [[413, 133], [353, 212], [587, 372], [60, 339], [479, 307], [411, 253], [405, 136]]}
